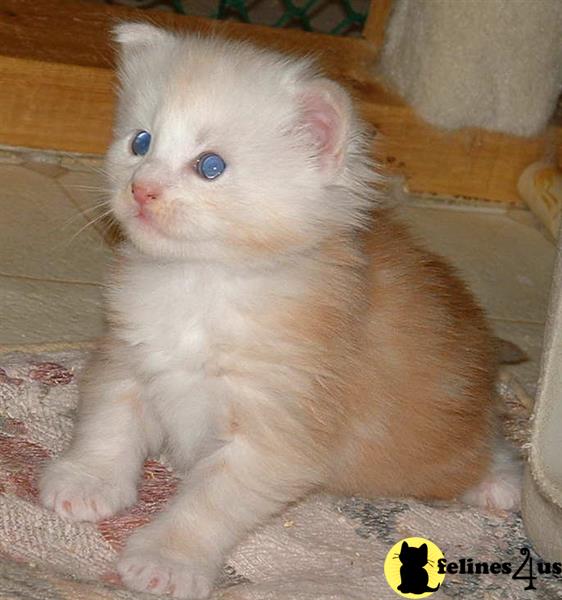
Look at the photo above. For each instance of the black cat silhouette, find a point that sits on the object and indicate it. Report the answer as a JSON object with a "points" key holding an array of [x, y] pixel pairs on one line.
{"points": [[414, 577]]}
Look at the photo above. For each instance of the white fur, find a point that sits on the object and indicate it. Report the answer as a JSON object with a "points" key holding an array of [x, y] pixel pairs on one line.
{"points": [[185, 298], [200, 94], [501, 487], [191, 344]]}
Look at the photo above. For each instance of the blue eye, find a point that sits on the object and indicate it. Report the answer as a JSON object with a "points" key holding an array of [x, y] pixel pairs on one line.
{"points": [[210, 166], [141, 143]]}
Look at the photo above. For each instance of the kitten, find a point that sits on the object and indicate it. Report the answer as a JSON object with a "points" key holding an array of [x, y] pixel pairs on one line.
{"points": [[270, 325]]}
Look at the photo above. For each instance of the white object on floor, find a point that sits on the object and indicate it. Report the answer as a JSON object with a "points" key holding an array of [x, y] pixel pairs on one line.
{"points": [[493, 64]]}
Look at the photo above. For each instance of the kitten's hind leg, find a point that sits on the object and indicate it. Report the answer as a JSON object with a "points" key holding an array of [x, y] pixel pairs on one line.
{"points": [[501, 487], [97, 475]]}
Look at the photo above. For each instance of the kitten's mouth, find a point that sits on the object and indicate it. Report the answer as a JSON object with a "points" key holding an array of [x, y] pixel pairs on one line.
{"points": [[148, 221], [144, 216], [151, 224]]}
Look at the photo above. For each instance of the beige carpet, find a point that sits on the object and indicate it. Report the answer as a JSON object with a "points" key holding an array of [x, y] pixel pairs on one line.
{"points": [[323, 548]]}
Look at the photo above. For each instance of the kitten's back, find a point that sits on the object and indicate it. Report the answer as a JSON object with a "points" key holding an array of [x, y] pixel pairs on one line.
{"points": [[427, 378]]}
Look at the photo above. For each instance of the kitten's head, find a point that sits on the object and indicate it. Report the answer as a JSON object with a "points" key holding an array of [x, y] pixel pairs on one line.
{"points": [[226, 152]]}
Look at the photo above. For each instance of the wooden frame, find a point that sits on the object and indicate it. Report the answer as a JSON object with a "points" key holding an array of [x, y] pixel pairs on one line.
{"points": [[56, 92]]}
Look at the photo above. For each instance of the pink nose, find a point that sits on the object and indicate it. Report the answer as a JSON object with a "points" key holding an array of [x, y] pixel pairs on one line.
{"points": [[143, 193]]}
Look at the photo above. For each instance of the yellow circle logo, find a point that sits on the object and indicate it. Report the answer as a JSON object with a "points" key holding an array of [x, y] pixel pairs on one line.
{"points": [[411, 568]]}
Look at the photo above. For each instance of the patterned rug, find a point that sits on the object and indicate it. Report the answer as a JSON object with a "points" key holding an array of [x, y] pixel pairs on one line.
{"points": [[323, 548]]}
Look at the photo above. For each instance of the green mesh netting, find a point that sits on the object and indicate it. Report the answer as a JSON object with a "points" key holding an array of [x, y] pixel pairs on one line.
{"points": [[302, 14], [339, 17]]}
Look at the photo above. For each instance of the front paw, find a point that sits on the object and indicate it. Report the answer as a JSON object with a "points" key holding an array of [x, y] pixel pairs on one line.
{"points": [[82, 493], [150, 571]]}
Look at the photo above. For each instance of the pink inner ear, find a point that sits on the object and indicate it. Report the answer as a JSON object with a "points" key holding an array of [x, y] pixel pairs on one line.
{"points": [[323, 123]]}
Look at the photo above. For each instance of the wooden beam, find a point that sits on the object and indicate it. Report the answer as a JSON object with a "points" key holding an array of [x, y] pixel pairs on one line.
{"points": [[56, 59], [471, 163], [77, 32], [55, 106], [56, 92], [374, 29]]}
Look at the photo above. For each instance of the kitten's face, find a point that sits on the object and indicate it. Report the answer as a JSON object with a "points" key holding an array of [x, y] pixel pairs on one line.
{"points": [[279, 133]]}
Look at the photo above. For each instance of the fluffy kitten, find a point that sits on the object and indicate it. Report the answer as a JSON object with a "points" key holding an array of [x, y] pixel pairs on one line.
{"points": [[269, 325]]}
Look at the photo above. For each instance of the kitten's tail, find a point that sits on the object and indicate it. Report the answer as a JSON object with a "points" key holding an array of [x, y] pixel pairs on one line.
{"points": [[428, 589]]}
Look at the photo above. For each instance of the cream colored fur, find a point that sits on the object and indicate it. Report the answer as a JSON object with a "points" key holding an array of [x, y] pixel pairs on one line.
{"points": [[273, 329]]}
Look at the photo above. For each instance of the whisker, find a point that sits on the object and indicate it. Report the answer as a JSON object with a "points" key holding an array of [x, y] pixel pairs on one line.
{"points": [[95, 206], [99, 170], [109, 223], [83, 212], [88, 224], [88, 188]]}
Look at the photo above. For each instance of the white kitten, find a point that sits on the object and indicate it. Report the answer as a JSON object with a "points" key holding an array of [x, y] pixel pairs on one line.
{"points": [[266, 323]]}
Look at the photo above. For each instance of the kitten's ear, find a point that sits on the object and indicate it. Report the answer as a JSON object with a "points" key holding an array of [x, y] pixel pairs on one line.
{"points": [[134, 41], [137, 35], [404, 546], [423, 548], [326, 115]]}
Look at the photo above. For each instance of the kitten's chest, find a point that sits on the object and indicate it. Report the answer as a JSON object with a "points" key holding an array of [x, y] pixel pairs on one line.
{"points": [[182, 319]]}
